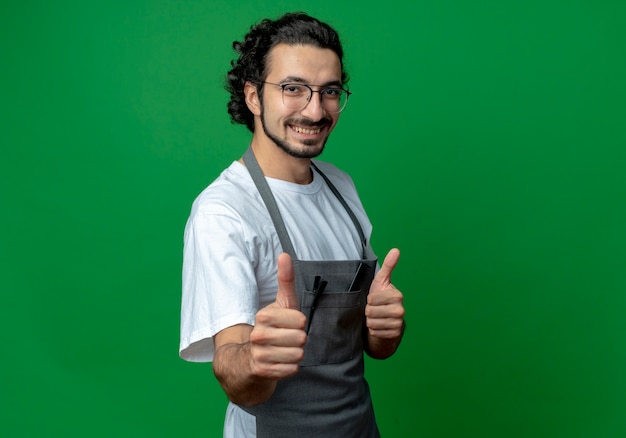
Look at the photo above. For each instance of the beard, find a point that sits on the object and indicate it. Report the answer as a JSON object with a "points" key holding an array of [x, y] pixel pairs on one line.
{"points": [[309, 151]]}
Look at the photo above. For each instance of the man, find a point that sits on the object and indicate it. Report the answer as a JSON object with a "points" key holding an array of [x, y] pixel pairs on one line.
{"points": [[280, 289]]}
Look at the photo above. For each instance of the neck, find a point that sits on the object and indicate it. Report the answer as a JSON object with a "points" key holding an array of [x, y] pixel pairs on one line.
{"points": [[278, 164]]}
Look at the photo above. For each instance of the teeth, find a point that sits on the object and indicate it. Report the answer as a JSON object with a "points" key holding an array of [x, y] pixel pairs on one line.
{"points": [[306, 131]]}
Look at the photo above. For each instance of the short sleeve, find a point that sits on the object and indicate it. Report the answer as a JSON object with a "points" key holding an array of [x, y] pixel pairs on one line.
{"points": [[219, 284]]}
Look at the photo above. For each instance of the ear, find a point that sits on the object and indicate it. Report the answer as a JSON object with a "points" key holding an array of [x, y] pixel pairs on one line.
{"points": [[251, 93]]}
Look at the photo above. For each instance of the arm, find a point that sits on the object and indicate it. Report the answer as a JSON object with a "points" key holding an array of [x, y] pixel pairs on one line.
{"points": [[250, 360], [384, 312]]}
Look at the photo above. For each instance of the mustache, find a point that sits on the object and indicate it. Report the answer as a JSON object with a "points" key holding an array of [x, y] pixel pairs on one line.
{"points": [[308, 122]]}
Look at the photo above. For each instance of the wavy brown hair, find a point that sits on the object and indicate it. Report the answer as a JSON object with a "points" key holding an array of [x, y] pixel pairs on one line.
{"points": [[251, 65]]}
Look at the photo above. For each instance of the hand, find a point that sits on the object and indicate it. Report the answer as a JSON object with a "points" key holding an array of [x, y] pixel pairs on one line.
{"points": [[384, 311], [277, 339]]}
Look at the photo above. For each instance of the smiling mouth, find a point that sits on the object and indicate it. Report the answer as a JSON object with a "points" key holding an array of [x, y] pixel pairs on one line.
{"points": [[306, 131]]}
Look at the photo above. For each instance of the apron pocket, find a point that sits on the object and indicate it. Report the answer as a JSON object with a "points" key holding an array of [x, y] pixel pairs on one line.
{"points": [[335, 330]]}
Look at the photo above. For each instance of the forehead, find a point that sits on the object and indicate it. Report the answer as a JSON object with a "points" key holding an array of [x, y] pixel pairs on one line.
{"points": [[308, 63]]}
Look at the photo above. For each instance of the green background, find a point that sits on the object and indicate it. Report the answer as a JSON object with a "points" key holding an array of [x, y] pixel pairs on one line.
{"points": [[487, 139]]}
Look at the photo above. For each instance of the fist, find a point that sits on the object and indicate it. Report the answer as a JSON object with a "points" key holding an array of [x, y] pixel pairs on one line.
{"points": [[278, 337], [384, 311]]}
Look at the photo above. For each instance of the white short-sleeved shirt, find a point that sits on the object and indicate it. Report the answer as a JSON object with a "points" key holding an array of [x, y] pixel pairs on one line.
{"points": [[231, 247]]}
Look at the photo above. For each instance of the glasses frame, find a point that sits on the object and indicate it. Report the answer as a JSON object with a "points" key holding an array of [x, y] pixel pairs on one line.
{"points": [[311, 91]]}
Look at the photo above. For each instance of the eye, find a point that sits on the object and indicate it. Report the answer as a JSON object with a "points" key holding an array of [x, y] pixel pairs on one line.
{"points": [[332, 93], [294, 89]]}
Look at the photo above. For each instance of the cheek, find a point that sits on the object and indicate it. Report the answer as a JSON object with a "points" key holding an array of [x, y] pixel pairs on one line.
{"points": [[278, 114]]}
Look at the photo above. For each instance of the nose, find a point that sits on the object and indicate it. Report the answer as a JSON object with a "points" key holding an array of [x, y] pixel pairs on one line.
{"points": [[314, 109]]}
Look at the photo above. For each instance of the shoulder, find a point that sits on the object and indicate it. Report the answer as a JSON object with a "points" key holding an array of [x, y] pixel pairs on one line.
{"points": [[230, 194], [337, 176]]}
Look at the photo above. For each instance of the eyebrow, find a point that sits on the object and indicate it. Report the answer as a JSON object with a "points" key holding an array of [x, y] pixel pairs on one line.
{"points": [[296, 79]]}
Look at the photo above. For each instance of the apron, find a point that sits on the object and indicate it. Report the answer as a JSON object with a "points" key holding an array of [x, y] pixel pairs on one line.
{"points": [[329, 396]]}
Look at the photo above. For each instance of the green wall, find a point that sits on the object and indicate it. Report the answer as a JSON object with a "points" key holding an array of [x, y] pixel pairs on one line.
{"points": [[488, 141]]}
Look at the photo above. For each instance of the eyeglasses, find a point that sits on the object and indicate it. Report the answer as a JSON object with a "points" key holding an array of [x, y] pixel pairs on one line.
{"points": [[297, 96]]}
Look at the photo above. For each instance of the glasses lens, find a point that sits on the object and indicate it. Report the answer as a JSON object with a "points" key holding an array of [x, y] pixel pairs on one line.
{"points": [[334, 99], [297, 96]]}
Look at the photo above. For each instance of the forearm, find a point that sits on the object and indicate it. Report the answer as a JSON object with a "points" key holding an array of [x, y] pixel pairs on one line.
{"points": [[232, 368], [382, 348], [250, 359]]}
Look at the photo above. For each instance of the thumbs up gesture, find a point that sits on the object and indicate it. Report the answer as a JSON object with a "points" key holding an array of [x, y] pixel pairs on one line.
{"points": [[277, 339], [384, 311]]}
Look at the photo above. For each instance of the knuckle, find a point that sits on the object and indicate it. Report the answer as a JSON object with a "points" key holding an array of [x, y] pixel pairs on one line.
{"points": [[258, 336], [301, 339], [262, 317], [258, 356], [299, 356], [290, 370]]}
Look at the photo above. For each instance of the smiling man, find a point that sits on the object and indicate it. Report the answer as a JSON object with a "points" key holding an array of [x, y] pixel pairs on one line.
{"points": [[281, 288]]}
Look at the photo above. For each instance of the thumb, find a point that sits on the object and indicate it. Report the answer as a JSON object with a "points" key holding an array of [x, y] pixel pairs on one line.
{"points": [[286, 297], [383, 276]]}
